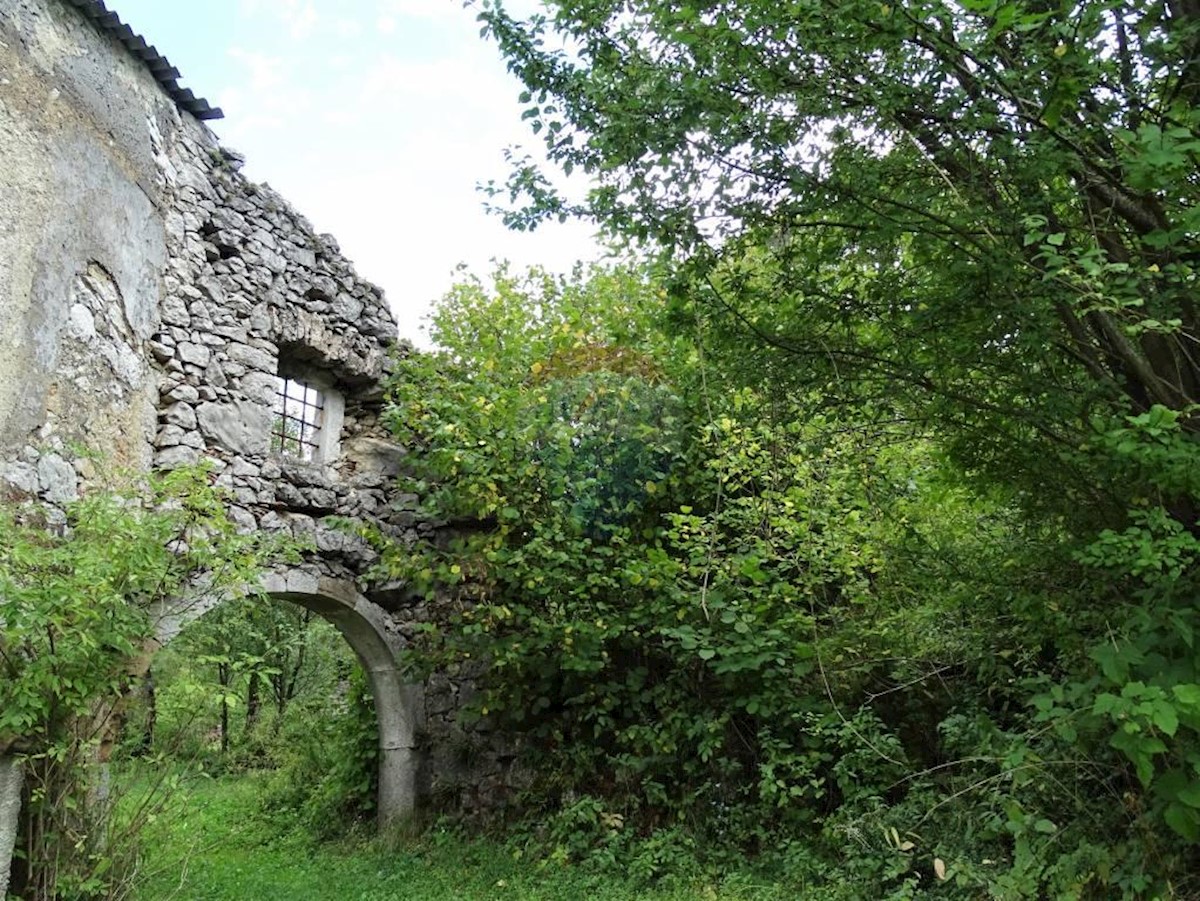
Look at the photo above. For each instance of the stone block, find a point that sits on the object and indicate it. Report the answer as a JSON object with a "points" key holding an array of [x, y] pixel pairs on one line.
{"points": [[21, 476], [196, 354], [57, 479], [162, 351], [174, 457], [240, 426], [252, 358], [180, 414], [174, 312], [183, 391], [259, 386]]}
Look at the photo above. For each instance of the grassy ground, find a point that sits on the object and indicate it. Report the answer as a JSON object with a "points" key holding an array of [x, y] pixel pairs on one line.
{"points": [[213, 846]]}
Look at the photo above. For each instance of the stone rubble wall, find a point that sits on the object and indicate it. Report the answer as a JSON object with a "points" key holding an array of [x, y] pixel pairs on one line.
{"points": [[148, 294], [248, 283]]}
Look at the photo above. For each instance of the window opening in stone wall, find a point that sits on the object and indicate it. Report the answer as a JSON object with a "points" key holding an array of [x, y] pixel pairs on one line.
{"points": [[298, 416]]}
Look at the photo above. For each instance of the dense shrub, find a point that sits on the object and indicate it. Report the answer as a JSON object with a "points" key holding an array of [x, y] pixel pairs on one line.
{"points": [[726, 618]]}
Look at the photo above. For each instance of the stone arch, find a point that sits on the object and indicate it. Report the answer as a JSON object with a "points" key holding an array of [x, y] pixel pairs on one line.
{"points": [[363, 625]]}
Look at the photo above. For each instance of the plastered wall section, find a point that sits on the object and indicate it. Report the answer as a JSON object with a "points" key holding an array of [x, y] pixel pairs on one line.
{"points": [[82, 247]]}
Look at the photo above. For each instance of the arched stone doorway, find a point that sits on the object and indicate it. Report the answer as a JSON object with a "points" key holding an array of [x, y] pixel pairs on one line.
{"points": [[363, 625]]}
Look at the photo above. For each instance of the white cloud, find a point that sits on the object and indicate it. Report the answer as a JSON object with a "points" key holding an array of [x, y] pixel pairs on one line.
{"points": [[263, 72], [298, 16], [348, 28], [453, 87], [301, 18], [429, 10], [265, 97]]}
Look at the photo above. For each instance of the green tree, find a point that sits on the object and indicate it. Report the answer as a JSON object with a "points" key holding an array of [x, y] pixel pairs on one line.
{"points": [[977, 216], [75, 612], [710, 610], [286, 694], [249, 660], [986, 208]]}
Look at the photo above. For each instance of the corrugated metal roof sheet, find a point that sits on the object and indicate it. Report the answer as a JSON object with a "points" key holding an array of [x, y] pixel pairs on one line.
{"points": [[159, 66]]}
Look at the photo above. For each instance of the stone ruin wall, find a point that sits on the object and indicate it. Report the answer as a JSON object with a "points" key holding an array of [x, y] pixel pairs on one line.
{"points": [[149, 296]]}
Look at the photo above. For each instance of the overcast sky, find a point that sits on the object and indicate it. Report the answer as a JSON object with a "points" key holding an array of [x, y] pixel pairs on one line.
{"points": [[374, 118]]}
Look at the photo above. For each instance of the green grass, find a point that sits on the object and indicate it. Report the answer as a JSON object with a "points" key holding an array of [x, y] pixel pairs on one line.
{"points": [[212, 844]]}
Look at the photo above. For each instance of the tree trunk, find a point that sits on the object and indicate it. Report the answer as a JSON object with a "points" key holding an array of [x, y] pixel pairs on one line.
{"points": [[11, 776], [146, 743], [253, 703], [223, 678], [278, 692]]}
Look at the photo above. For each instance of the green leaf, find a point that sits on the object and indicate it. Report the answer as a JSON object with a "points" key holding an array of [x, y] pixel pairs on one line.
{"points": [[1165, 718], [1184, 821]]}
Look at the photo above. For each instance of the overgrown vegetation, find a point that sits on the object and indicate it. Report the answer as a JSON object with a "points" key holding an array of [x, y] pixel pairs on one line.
{"points": [[77, 606], [874, 537], [260, 685], [858, 532], [865, 525], [724, 618], [215, 844]]}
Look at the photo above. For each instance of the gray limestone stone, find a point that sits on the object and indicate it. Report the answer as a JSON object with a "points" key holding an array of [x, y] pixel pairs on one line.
{"points": [[174, 457], [216, 375], [83, 323], [240, 426], [347, 307], [301, 256], [11, 779], [169, 436], [332, 539], [180, 414], [252, 358], [374, 456], [260, 386], [323, 288], [243, 519], [260, 320], [244, 468], [183, 392], [196, 354], [174, 311], [127, 365], [290, 495], [320, 498], [21, 476], [57, 479], [211, 288]]}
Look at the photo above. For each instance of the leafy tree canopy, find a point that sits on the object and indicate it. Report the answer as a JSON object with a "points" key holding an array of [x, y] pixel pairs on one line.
{"points": [[986, 209]]}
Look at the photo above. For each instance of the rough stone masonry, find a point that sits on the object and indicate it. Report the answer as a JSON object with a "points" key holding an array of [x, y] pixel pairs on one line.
{"points": [[152, 301]]}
